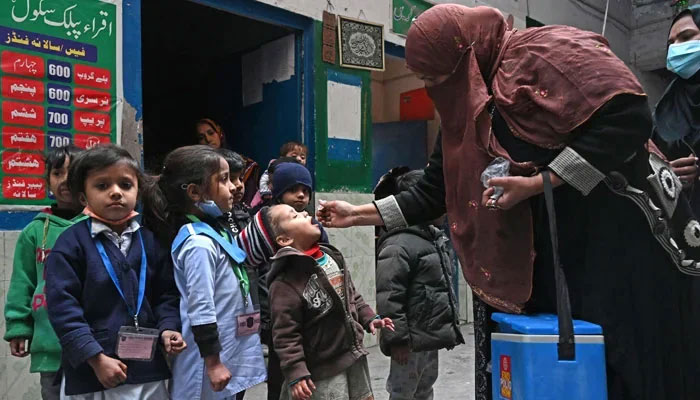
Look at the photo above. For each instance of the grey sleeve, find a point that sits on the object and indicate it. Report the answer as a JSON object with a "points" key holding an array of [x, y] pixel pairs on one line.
{"points": [[576, 171]]}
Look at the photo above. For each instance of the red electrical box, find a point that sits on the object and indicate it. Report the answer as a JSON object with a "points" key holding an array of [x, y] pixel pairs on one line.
{"points": [[416, 106]]}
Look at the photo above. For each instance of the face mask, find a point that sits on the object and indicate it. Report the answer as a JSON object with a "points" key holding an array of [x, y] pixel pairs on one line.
{"points": [[88, 211], [209, 208], [683, 59]]}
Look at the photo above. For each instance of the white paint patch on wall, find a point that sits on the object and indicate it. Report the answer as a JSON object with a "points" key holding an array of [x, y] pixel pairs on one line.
{"points": [[344, 111], [272, 62]]}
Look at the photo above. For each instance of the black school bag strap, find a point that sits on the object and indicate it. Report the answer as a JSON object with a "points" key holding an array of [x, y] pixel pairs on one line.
{"points": [[566, 346]]}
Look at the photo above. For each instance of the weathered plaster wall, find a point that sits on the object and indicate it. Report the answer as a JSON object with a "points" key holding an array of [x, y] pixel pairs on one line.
{"points": [[636, 29], [332, 174], [583, 13], [357, 245], [15, 380], [132, 110], [588, 15], [652, 21], [387, 87]]}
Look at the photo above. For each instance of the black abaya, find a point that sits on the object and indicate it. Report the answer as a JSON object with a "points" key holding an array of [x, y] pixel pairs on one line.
{"points": [[619, 276]]}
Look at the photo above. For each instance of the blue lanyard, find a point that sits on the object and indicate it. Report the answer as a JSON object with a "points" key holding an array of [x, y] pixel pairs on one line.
{"points": [[142, 278]]}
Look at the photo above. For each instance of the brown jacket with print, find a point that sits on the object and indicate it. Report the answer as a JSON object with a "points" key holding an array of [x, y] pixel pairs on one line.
{"points": [[314, 333]]}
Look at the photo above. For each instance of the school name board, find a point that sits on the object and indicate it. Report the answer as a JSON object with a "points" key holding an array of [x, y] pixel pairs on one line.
{"points": [[404, 12], [58, 66]]}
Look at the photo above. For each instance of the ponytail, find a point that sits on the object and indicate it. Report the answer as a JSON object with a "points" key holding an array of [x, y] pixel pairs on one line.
{"points": [[164, 196], [155, 204]]}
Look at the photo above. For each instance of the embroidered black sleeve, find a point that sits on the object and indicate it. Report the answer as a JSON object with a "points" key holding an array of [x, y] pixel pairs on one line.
{"points": [[207, 338], [617, 131]]}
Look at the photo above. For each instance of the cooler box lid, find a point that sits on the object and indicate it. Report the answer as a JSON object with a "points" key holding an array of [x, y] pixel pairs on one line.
{"points": [[540, 324]]}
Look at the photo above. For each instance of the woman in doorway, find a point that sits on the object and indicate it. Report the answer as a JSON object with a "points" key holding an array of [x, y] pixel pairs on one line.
{"points": [[210, 133], [677, 115], [552, 98]]}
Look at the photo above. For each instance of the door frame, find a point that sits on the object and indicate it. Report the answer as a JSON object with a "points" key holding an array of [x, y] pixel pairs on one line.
{"points": [[304, 27]]}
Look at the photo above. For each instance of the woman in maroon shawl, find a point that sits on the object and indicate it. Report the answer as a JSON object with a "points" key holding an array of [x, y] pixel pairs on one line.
{"points": [[553, 98]]}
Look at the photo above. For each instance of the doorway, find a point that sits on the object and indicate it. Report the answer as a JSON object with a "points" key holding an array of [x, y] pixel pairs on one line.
{"points": [[205, 62]]}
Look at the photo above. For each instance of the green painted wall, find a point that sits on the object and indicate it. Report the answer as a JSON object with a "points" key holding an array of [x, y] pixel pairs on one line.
{"points": [[334, 175]]}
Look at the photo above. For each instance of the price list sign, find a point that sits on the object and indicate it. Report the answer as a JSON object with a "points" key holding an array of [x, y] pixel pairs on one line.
{"points": [[58, 66]]}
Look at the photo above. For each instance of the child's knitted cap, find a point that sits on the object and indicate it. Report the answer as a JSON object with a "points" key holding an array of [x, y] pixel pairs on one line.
{"points": [[287, 175], [256, 239]]}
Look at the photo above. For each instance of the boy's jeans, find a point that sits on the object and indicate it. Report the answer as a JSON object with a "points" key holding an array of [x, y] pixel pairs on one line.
{"points": [[413, 381]]}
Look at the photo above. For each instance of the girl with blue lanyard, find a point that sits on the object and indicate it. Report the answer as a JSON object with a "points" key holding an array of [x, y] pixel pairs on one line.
{"points": [[194, 189], [110, 291]]}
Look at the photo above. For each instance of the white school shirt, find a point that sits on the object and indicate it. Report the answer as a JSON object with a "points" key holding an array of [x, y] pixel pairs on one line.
{"points": [[123, 241]]}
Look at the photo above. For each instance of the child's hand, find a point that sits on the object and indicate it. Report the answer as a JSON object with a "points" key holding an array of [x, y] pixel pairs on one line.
{"points": [[399, 353], [218, 374], [110, 371], [303, 389], [18, 347], [173, 342], [381, 323]]}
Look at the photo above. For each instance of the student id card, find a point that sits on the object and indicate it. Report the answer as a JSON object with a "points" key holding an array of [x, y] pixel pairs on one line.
{"points": [[138, 344], [248, 324]]}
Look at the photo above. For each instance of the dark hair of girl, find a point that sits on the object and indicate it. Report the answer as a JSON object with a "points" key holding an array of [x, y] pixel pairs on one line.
{"points": [[95, 159], [57, 157], [165, 198], [234, 160]]}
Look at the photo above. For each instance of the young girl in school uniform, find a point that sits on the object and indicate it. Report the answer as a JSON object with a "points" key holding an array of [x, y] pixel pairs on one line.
{"points": [[110, 291], [215, 306]]}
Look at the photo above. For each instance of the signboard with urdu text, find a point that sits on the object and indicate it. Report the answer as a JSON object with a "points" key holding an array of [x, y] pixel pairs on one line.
{"points": [[59, 82], [404, 12]]}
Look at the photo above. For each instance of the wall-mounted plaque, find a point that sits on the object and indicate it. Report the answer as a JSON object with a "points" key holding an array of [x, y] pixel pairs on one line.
{"points": [[361, 44]]}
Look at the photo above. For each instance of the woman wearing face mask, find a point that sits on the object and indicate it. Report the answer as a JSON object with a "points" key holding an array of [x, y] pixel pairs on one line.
{"points": [[557, 103], [677, 115]]}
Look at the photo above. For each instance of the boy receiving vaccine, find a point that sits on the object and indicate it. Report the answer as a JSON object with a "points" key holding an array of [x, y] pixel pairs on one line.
{"points": [[318, 318]]}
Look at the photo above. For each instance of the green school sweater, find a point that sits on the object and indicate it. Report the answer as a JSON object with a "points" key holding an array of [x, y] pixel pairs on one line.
{"points": [[26, 315]]}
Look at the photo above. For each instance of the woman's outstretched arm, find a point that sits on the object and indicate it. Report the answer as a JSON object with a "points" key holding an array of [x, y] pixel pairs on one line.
{"points": [[422, 203]]}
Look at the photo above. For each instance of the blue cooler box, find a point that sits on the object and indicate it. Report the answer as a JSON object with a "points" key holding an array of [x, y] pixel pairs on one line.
{"points": [[525, 364]]}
